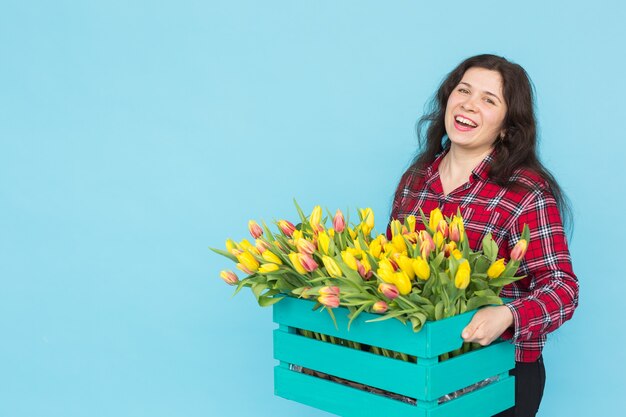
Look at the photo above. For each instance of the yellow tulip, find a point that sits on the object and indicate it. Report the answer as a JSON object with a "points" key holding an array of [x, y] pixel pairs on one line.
{"points": [[248, 247], [403, 282], [295, 262], [376, 248], [435, 218], [357, 245], [297, 234], [267, 268], [457, 254], [389, 249], [323, 242], [448, 248], [406, 265], [367, 220], [421, 268], [386, 264], [271, 257], [496, 269], [412, 237], [231, 245], [331, 266], [399, 243], [439, 239], [349, 260], [396, 227], [316, 217], [462, 277], [386, 275], [352, 233], [411, 222], [247, 260]]}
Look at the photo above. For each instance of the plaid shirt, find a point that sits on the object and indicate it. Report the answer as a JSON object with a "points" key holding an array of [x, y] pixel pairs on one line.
{"points": [[548, 295]]}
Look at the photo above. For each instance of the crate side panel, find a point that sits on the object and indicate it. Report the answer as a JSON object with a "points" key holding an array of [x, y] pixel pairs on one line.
{"points": [[484, 402], [393, 375], [469, 368], [336, 398]]}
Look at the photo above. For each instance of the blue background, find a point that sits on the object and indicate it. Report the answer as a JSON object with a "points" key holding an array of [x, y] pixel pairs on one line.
{"points": [[135, 134]]}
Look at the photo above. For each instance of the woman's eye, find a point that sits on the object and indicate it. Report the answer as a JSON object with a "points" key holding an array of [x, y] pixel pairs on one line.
{"points": [[463, 90], [490, 101]]}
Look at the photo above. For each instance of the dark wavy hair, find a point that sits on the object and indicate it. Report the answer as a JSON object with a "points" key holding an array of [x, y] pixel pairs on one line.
{"points": [[517, 149]]}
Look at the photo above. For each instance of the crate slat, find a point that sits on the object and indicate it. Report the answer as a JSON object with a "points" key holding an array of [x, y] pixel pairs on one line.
{"points": [[433, 340]]}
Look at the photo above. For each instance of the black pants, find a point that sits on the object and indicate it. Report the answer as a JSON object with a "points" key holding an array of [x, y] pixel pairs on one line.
{"points": [[530, 378]]}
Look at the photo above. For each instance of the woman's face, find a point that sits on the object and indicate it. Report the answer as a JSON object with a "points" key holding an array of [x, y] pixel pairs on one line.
{"points": [[476, 110]]}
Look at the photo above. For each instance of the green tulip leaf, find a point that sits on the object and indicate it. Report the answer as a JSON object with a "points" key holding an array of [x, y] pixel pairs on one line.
{"points": [[439, 310], [266, 301], [356, 313], [502, 281], [477, 302], [225, 253], [490, 248], [481, 265]]}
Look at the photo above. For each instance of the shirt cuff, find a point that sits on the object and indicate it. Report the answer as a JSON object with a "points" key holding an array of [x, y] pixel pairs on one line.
{"points": [[514, 333]]}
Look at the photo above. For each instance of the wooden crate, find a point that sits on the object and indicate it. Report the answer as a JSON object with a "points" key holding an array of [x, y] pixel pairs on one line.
{"points": [[426, 381]]}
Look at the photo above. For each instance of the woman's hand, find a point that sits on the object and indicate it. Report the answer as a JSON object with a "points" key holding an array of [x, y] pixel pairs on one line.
{"points": [[487, 324]]}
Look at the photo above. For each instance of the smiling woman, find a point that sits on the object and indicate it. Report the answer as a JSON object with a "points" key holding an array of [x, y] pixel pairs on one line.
{"points": [[479, 156]]}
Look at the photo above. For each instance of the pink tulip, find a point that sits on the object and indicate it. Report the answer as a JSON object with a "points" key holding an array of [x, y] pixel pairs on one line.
{"points": [[519, 250], [261, 245], [331, 301], [286, 227], [307, 262], [388, 290], [380, 307], [305, 246], [229, 277], [329, 290], [339, 223], [255, 230], [443, 228], [427, 245], [245, 269]]}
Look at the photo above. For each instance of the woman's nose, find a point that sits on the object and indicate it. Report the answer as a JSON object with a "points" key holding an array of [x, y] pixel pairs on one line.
{"points": [[469, 104]]}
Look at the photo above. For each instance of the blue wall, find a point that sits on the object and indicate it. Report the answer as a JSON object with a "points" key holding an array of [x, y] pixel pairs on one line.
{"points": [[135, 134]]}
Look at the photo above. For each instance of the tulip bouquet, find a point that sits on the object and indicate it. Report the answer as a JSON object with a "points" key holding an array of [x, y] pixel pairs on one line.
{"points": [[425, 272]]}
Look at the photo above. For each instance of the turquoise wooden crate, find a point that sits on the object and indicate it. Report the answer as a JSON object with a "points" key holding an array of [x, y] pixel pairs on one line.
{"points": [[425, 381]]}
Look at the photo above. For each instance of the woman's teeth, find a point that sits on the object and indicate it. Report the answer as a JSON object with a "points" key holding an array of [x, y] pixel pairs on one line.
{"points": [[465, 121]]}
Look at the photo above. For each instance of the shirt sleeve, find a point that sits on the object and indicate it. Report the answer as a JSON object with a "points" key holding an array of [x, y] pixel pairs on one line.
{"points": [[552, 294]]}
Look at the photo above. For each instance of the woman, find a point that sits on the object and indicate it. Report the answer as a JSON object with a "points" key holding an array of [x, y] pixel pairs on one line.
{"points": [[479, 155]]}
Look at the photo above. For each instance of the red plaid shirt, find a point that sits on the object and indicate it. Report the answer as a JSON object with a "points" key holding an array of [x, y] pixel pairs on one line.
{"points": [[548, 295]]}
